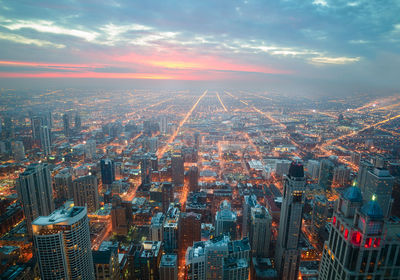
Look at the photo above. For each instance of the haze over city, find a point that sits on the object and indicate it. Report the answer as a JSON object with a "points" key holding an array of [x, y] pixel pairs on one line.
{"points": [[199, 140]]}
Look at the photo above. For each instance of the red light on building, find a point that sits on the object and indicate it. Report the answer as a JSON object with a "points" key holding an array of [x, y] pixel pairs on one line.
{"points": [[368, 243], [377, 242], [334, 220], [356, 238], [346, 233]]}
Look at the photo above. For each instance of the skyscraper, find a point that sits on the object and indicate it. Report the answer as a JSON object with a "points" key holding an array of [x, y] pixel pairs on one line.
{"points": [[107, 168], [18, 150], [379, 182], [85, 191], [287, 257], [62, 244], [189, 231], [169, 267], [260, 231], [362, 244], [78, 123], [319, 214], [363, 169], [325, 173], [167, 195], [145, 169], [45, 140], [67, 131], [34, 188], [121, 215], [177, 170], [170, 230], [249, 202], [225, 221], [193, 178], [63, 185]]}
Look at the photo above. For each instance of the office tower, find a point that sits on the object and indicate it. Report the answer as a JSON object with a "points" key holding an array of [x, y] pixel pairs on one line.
{"points": [[363, 169], [121, 215], [196, 140], [193, 178], [170, 230], [45, 140], [8, 128], [260, 231], [379, 182], [218, 258], [107, 168], [313, 168], [157, 227], [225, 221], [167, 196], [362, 244], [67, 130], [189, 231], [18, 150], [36, 122], [355, 158], [63, 185], [106, 265], [85, 191], [145, 169], [319, 214], [34, 187], [169, 267], [62, 244], [341, 175], [90, 149], [163, 124], [78, 122], [325, 173], [177, 170], [287, 255], [146, 261], [249, 202], [154, 162], [282, 167]]}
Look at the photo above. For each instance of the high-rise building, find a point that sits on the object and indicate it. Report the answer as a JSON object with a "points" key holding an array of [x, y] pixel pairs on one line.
{"points": [[18, 150], [169, 267], [249, 202], [106, 265], [85, 191], [362, 244], [363, 169], [107, 168], [197, 140], [34, 188], [145, 169], [325, 177], [163, 124], [146, 261], [170, 230], [90, 149], [38, 120], [319, 214], [8, 128], [218, 258], [313, 168], [62, 244], [177, 169], [63, 185], [189, 231], [121, 215], [45, 140], [341, 175], [167, 195], [193, 178], [67, 129], [157, 227], [260, 231], [379, 183], [78, 122], [287, 257], [225, 221]]}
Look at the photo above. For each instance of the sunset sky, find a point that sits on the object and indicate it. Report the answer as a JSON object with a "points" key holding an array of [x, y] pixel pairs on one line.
{"points": [[323, 46]]}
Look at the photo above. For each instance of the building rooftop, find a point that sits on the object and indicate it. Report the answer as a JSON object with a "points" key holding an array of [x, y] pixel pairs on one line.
{"points": [[372, 210], [169, 260], [353, 194], [66, 215]]}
